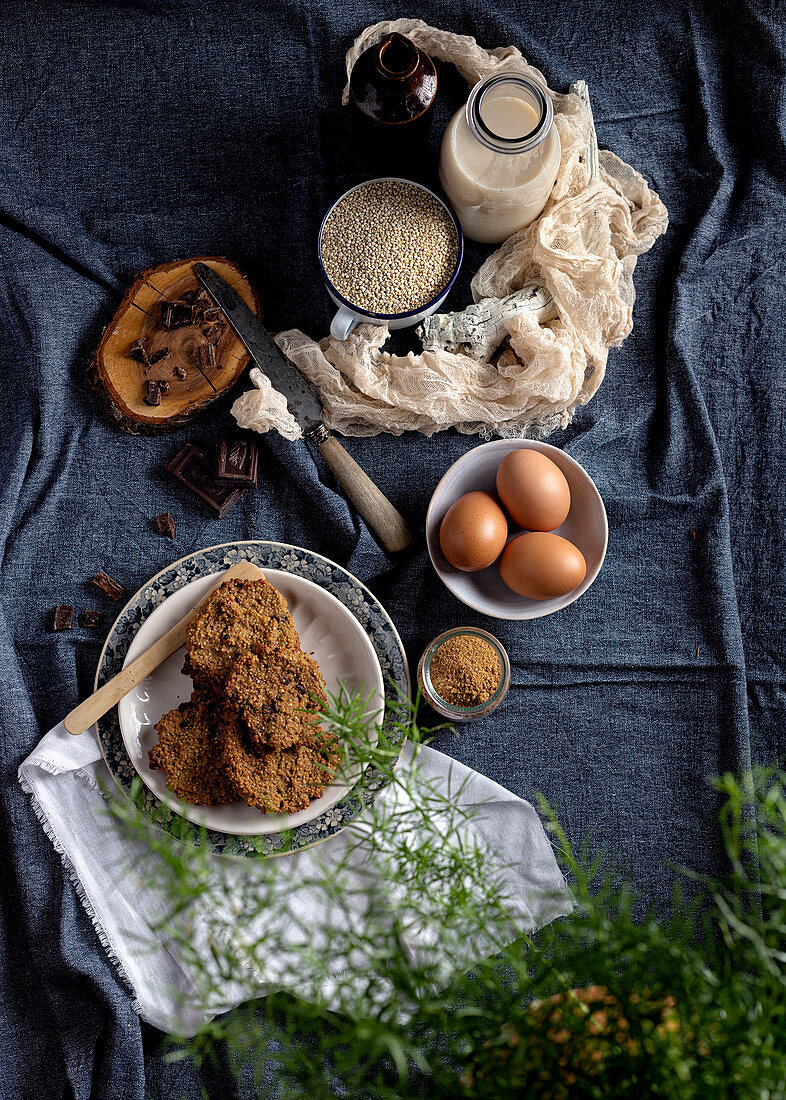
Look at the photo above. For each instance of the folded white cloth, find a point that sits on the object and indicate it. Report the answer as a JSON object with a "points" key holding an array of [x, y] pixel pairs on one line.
{"points": [[67, 779]]}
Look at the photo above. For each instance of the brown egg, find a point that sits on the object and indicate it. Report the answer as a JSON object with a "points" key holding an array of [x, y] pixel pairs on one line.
{"points": [[533, 489], [540, 565], [473, 533]]}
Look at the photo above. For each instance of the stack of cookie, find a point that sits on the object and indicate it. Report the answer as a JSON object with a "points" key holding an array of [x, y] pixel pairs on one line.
{"points": [[250, 730]]}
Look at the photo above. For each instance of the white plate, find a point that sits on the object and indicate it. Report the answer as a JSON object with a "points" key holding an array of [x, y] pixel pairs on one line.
{"points": [[327, 629]]}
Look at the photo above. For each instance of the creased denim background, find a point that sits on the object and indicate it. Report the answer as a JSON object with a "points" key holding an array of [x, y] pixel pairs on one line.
{"points": [[135, 133]]}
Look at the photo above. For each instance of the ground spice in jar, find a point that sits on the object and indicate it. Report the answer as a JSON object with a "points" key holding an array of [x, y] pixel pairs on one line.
{"points": [[465, 670], [389, 247]]}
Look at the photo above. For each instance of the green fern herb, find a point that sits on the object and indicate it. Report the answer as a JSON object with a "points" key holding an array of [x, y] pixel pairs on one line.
{"points": [[611, 1001]]}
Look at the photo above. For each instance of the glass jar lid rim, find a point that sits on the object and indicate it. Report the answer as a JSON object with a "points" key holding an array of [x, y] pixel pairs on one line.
{"points": [[500, 690], [486, 136]]}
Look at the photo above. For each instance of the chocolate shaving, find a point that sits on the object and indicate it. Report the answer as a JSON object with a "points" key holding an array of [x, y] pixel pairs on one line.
{"points": [[163, 385], [206, 355], [157, 356], [63, 617], [212, 313], [138, 350], [90, 619], [166, 525], [180, 372], [103, 581], [153, 395], [196, 296], [213, 333]]}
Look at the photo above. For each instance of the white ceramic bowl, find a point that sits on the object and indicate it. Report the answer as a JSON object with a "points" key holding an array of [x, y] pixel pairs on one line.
{"points": [[350, 315], [485, 591]]}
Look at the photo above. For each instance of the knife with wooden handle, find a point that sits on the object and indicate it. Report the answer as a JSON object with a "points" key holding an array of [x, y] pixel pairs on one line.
{"points": [[385, 521], [96, 705]]}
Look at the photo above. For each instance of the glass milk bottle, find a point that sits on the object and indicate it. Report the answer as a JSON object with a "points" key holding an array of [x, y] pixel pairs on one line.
{"points": [[500, 156]]}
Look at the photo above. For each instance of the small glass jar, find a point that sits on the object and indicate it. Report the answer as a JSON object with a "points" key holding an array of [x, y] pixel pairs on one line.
{"points": [[442, 706], [500, 156]]}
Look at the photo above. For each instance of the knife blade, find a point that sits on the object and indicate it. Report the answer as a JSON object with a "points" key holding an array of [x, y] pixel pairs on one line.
{"points": [[386, 522], [301, 400]]}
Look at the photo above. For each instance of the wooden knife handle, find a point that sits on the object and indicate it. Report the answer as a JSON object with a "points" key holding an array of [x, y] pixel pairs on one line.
{"points": [[388, 525], [96, 705]]}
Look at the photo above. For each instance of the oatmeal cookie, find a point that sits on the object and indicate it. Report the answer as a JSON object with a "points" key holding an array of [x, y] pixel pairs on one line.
{"points": [[279, 694], [239, 617], [274, 781], [188, 752]]}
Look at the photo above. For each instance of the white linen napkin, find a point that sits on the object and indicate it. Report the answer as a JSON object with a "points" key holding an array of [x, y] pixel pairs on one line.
{"points": [[67, 779]]}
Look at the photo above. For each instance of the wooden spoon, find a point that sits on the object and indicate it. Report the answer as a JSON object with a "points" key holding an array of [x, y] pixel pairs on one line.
{"points": [[96, 705]]}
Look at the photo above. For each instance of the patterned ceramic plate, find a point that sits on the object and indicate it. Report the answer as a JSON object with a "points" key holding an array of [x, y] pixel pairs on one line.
{"points": [[298, 562]]}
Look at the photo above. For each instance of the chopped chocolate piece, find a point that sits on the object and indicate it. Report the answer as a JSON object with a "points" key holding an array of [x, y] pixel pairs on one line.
{"points": [[213, 333], [166, 525], [190, 467], [106, 584], [163, 385], [90, 618], [180, 372], [211, 313], [176, 314], [196, 296], [236, 461], [153, 395], [206, 356], [138, 350], [64, 617], [157, 356]]}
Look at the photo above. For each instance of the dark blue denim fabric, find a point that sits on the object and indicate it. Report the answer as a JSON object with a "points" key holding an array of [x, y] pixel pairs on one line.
{"points": [[135, 133]]}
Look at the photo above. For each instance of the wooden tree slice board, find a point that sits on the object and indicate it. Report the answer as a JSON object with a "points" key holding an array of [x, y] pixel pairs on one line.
{"points": [[121, 383]]}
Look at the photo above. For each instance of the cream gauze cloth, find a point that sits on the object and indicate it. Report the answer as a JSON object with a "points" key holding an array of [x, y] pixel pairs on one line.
{"points": [[581, 252]]}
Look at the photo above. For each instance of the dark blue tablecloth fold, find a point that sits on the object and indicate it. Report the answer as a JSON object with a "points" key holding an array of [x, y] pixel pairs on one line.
{"points": [[135, 133]]}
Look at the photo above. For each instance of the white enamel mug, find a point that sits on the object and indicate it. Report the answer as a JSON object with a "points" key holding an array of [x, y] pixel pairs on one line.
{"points": [[349, 315]]}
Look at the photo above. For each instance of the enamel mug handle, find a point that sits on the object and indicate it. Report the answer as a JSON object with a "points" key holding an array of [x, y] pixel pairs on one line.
{"points": [[343, 323]]}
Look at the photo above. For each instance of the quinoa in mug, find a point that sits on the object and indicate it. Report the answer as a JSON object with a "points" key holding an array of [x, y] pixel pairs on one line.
{"points": [[389, 247]]}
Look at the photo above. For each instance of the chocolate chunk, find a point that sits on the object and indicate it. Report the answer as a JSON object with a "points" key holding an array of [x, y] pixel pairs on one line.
{"points": [[64, 617], [237, 460], [213, 333], [180, 372], [196, 296], [106, 584], [163, 385], [212, 313], [138, 350], [157, 356], [176, 314], [206, 356], [191, 469], [90, 618], [153, 395], [166, 525]]}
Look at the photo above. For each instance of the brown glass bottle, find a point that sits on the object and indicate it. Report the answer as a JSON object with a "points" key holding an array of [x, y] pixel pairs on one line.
{"points": [[391, 92]]}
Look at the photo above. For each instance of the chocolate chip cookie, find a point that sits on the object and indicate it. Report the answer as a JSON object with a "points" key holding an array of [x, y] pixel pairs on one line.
{"points": [[188, 752], [239, 617], [279, 694]]}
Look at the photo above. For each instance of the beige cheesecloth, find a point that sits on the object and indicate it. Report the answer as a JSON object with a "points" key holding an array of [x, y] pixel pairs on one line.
{"points": [[570, 275]]}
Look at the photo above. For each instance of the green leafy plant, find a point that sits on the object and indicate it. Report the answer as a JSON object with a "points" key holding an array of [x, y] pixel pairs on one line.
{"points": [[607, 1002]]}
